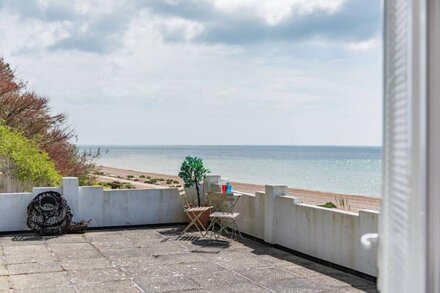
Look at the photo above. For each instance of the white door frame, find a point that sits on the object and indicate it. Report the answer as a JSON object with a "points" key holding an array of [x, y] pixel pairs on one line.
{"points": [[433, 53]]}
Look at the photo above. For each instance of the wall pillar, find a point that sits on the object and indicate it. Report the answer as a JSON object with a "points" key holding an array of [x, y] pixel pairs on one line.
{"points": [[271, 194], [70, 191], [210, 180]]}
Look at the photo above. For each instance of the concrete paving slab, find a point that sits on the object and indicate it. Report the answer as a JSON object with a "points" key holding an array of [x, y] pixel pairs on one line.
{"points": [[135, 261], [61, 247], [213, 280], [279, 258], [21, 239], [245, 287], [45, 256], [341, 280], [303, 272], [86, 264], [4, 283], [178, 258], [58, 289], [166, 284], [3, 270], [104, 287], [369, 289], [78, 254], [267, 274], [96, 276], [296, 285], [102, 236], [135, 236], [32, 268], [156, 260], [70, 238], [24, 249], [117, 253], [198, 267], [236, 260], [40, 280], [110, 245], [152, 271]]}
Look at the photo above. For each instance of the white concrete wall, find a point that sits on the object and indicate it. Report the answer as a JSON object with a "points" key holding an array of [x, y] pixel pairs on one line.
{"points": [[129, 207], [13, 208], [328, 234], [104, 208], [251, 219]]}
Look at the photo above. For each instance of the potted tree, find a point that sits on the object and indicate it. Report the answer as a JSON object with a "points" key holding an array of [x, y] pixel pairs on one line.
{"points": [[192, 172]]}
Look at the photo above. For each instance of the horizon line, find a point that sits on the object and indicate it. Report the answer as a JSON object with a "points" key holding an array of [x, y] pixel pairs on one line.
{"points": [[268, 145]]}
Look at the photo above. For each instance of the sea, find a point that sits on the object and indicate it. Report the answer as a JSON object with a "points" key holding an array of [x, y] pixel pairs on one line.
{"points": [[338, 169]]}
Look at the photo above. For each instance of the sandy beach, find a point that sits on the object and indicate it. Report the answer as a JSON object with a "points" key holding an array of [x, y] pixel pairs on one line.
{"points": [[344, 201]]}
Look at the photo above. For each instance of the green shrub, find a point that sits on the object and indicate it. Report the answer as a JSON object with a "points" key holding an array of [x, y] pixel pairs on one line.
{"points": [[142, 176], [116, 185], [29, 162], [24, 110], [328, 205], [192, 172], [130, 177]]}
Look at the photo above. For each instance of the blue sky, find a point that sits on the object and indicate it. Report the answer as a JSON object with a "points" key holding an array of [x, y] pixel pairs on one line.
{"points": [[298, 72]]}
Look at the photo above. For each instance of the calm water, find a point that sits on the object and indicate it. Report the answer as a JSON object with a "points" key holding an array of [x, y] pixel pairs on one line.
{"points": [[352, 170]]}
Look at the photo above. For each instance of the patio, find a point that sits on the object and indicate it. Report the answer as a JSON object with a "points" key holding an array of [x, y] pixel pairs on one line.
{"points": [[153, 260]]}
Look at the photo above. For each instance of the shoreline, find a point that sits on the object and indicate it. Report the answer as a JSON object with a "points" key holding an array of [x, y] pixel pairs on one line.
{"points": [[346, 202]]}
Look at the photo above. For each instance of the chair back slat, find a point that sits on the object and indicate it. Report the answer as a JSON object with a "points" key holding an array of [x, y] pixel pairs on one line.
{"points": [[183, 198]]}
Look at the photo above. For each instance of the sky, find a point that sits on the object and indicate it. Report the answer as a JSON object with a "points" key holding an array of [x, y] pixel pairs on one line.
{"points": [[271, 72]]}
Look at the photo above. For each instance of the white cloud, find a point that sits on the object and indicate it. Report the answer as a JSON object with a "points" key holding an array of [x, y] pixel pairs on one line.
{"points": [[175, 28], [151, 90], [274, 12], [365, 45], [17, 36]]}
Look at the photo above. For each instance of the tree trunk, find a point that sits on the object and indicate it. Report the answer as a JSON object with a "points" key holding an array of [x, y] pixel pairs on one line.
{"points": [[198, 193]]}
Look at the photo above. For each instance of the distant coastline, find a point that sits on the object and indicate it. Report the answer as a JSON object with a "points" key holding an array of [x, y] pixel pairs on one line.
{"points": [[342, 170], [347, 202]]}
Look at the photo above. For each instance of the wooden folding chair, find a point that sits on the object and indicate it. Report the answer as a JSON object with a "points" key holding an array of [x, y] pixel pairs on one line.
{"points": [[223, 215], [193, 214]]}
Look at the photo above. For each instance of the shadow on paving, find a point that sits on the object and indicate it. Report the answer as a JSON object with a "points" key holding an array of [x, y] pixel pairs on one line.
{"points": [[193, 237], [30, 237], [296, 263], [161, 259], [304, 267]]}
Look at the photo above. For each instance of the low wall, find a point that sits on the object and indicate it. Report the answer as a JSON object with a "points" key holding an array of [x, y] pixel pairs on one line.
{"points": [[328, 234], [103, 207], [129, 207], [13, 209], [272, 216]]}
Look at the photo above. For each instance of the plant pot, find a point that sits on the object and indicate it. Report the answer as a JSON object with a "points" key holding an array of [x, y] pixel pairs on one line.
{"points": [[204, 218]]}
